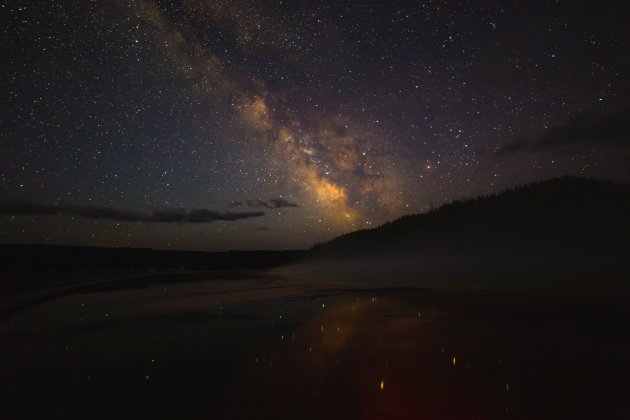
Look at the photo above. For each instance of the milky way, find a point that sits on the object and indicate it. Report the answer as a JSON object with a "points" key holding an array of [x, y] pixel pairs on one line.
{"points": [[272, 124]]}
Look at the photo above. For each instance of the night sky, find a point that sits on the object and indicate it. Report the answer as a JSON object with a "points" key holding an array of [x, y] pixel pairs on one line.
{"points": [[220, 125]]}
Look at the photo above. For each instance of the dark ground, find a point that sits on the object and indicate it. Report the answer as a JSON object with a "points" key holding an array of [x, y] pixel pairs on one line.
{"points": [[265, 344]]}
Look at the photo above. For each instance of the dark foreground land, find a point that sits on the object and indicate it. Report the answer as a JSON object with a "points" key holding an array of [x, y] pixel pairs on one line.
{"points": [[266, 344], [508, 306]]}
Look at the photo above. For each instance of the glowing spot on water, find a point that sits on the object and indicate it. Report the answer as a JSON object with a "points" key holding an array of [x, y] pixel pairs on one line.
{"points": [[382, 385], [454, 360]]}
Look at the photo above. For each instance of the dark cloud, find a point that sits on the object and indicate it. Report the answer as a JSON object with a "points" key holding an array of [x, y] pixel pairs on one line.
{"points": [[19, 207], [103, 213], [274, 203], [582, 129], [258, 203], [281, 202], [25, 207], [200, 215]]}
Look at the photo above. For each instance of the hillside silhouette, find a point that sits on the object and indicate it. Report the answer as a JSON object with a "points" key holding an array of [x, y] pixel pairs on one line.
{"points": [[563, 230], [42, 258], [566, 226]]}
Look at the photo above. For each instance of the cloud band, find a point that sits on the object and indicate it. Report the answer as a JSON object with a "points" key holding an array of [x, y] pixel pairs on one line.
{"points": [[20, 207]]}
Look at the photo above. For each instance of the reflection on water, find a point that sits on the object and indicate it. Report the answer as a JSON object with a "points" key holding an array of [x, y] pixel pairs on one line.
{"points": [[338, 361], [276, 348]]}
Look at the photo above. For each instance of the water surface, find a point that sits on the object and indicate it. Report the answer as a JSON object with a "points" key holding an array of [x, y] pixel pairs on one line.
{"points": [[260, 345]]}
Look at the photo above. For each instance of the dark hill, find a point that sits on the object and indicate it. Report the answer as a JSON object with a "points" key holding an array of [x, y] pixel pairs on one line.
{"points": [[25, 258], [566, 226]]}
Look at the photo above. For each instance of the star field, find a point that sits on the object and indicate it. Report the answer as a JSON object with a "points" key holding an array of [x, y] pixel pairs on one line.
{"points": [[238, 124]]}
